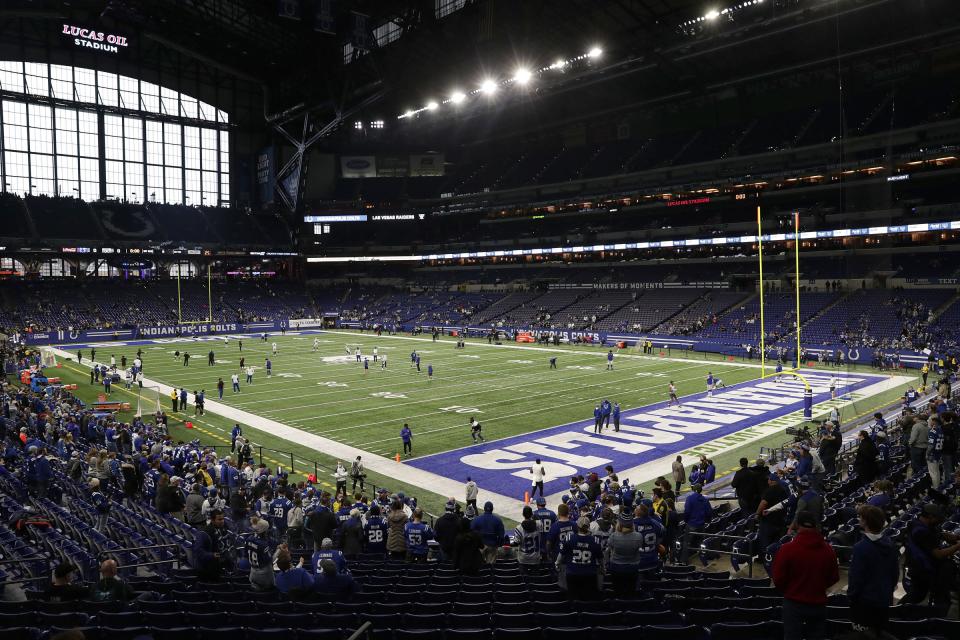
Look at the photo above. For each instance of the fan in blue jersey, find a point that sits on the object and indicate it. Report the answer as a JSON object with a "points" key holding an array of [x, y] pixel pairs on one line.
{"points": [[651, 529], [150, 481], [581, 556], [279, 508], [327, 552], [544, 517], [101, 504], [343, 514], [527, 538], [561, 530], [259, 554], [417, 535], [375, 532]]}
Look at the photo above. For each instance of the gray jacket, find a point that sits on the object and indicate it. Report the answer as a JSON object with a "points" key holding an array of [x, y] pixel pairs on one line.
{"points": [[919, 433], [193, 509]]}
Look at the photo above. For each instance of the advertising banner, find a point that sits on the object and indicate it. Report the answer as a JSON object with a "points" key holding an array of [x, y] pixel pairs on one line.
{"points": [[358, 166]]}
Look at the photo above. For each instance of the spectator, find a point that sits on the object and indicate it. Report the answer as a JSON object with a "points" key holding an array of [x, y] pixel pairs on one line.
{"points": [[334, 585], [446, 529], [193, 507], [467, 549], [696, 512], [294, 581], [918, 446], [772, 513], [874, 572], [865, 462], [321, 522], [803, 570], [170, 498], [210, 550], [110, 588], [351, 535], [928, 570], [471, 492], [527, 539], [62, 588], [679, 473], [811, 501], [396, 542], [490, 528], [259, 554], [623, 556], [745, 484], [582, 555]]}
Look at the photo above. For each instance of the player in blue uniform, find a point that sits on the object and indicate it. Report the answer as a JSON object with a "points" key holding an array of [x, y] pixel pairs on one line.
{"points": [[610, 360], [429, 371], [269, 367], [616, 416], [779, 371], [711, 383]]}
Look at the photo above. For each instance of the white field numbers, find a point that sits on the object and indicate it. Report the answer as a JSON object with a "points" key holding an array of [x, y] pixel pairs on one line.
{"points": [[458, 409]]}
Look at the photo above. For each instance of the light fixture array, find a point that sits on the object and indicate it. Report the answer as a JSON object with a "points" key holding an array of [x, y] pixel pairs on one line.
{"points": [[489, 86]]}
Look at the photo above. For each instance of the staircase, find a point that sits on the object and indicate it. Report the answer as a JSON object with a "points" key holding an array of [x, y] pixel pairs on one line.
{"points": [[939, 311]]}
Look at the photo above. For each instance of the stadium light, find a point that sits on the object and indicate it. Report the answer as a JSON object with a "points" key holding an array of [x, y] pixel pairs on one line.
{"points": [[457, 97], [407, 114], [432, 105], [713, 14], [488, 87], [594, 52], [522, 76], [559, 64]]}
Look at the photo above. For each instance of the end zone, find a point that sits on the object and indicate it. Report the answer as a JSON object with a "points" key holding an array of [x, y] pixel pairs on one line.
{"points": [[650, 437]]}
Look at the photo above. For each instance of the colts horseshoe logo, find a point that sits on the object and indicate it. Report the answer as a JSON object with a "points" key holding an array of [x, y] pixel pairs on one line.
{"points": [[853, 354]]}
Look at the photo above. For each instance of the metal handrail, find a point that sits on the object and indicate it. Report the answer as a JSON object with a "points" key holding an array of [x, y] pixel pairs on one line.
{"points": [[110, 555], [363, 630]]}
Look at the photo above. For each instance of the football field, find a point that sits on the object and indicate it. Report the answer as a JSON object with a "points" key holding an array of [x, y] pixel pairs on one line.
{"points": [[511, 389]]}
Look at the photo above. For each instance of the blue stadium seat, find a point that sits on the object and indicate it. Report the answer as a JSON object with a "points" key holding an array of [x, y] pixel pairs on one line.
{"points": [[62, 620], [220, 633], [424, 621], [470, 608], [17, 619], [740, 631], [415, 634], [531, 633], [467, 634], [661, 632], [566, 633], [21, 633], [468, 620], [319, 634], [707, 617]]}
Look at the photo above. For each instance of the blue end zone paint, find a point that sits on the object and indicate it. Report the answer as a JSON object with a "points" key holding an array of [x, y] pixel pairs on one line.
{"points": [[646, 434]]}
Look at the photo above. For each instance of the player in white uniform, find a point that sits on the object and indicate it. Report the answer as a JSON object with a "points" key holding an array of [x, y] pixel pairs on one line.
{"points": [[357, 353], [383, 362], [316, 343], [672, 389], [375, 351], [274, 348]]}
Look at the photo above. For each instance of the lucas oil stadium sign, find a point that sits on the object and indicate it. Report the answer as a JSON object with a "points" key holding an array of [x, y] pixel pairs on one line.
{"points": [[93, 39]]}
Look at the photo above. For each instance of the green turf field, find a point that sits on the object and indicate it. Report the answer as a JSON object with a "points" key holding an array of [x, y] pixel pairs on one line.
{"points": [[510, 389]]}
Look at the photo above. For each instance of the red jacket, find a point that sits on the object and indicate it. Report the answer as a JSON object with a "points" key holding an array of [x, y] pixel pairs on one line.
{"points": [[805, 567]]}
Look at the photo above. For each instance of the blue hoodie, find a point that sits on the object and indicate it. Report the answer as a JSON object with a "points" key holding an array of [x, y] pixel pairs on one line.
{"points": [[696, 510], [874, 572], [489, 526]]}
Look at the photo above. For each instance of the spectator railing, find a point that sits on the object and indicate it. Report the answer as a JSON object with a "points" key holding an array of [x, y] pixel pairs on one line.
{"points": [[113, 554]]}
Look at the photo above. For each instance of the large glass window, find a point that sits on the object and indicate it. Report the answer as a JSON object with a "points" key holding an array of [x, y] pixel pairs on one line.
{"points": [[49, 150]]}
